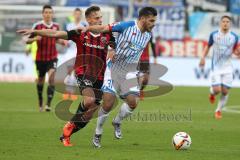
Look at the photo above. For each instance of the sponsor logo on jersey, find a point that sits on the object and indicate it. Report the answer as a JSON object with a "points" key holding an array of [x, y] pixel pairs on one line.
{"points": [[103, 39], [93, 46], [135, 47]]}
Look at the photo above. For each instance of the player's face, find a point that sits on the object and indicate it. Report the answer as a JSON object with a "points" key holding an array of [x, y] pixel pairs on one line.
{"points": [[47, 15], [149, 22], [95, 18], [77, 16], [225, 24]]}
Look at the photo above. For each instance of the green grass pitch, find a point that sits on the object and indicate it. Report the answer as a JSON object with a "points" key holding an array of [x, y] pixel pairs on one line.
{"points": [[26, 134]]}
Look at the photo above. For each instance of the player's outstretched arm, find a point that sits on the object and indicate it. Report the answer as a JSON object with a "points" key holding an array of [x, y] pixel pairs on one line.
{"points": [[30, 40], [62, 42], [96, 29], [46, 32]]}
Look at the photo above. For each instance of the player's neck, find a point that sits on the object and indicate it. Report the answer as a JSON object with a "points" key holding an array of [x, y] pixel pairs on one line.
{"points": [[224, 31], [47, 22], [94, 34]]}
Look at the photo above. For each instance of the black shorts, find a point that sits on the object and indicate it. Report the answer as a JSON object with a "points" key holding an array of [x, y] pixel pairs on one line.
{"points": [[144, 66], [87, 82], [44, 66]]}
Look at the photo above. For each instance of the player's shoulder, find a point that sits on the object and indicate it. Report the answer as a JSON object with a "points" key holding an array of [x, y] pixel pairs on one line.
{"points": [[70, 24], [149, 34], [56, 24], [125, 24], [234, 34], [129, 23], [37, 23], [214, 33], [84, 24]]}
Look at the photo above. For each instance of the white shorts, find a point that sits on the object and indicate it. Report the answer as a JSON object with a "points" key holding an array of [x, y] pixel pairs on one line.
{"points": [[116, 83], [222, 79]]}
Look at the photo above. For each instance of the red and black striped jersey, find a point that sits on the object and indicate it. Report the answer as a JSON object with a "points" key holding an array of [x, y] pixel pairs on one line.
{"points": [[46, 47], [91, 52]]}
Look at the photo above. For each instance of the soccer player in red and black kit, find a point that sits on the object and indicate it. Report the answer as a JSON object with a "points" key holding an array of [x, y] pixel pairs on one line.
{"points": [[144, 67], [92, 51], [46, 57]]}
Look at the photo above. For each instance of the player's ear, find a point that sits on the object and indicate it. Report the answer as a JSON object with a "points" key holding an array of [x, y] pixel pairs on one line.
{"points": [[87, 19]]}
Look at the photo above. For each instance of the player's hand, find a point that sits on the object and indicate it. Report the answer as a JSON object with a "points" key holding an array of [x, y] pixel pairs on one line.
{"points": [[38, 38], [111, 55], [82, 29], [25, 31], [202, 63], [65, 43], [27, 52]]}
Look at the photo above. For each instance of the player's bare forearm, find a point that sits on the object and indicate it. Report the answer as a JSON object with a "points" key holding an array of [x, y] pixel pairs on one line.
{"points": [[45, 32], [51, 33], [98, 28], [205, 51], [62, 42]]}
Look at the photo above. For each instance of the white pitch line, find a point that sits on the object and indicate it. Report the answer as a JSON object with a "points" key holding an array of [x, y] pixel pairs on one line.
{"points": [[232, 109]]}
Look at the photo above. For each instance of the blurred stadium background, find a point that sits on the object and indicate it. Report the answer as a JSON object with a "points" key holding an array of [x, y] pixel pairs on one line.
{"points": [[180, 34]]}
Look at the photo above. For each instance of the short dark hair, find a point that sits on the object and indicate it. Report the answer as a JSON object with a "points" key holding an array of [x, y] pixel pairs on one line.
{"points": [[226, 16], [147, 11], [46, 7], [77, 10], [91, 9]]}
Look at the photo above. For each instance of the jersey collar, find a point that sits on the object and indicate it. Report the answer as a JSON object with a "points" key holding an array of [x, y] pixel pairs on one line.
{"points": [[47, 25], [223, 33], [94, 35]]}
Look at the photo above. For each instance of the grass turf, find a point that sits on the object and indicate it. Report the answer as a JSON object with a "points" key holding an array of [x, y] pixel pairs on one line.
{"points": [[27, 134]]}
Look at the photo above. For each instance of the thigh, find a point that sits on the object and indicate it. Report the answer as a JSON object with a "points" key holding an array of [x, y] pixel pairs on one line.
{"points": [[109, 84], [41, 68], [52, 65], [97, 91], [227, 80], [83, 83], [129, 87], [216, 80]]}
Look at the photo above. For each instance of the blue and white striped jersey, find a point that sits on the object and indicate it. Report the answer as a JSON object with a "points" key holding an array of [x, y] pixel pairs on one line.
{"points": [[130, 43], [222, 49]]}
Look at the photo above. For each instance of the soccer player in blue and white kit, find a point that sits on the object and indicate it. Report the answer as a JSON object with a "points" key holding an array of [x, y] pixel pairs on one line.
{"points": [[224, 43], [133, 36]]}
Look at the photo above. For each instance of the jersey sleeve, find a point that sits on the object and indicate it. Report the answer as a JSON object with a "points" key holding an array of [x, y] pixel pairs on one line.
{"points": [[73, 34], [33, 27], [112, 42], [120, 26], [58, 27], [210, 41], [236, 42]]}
